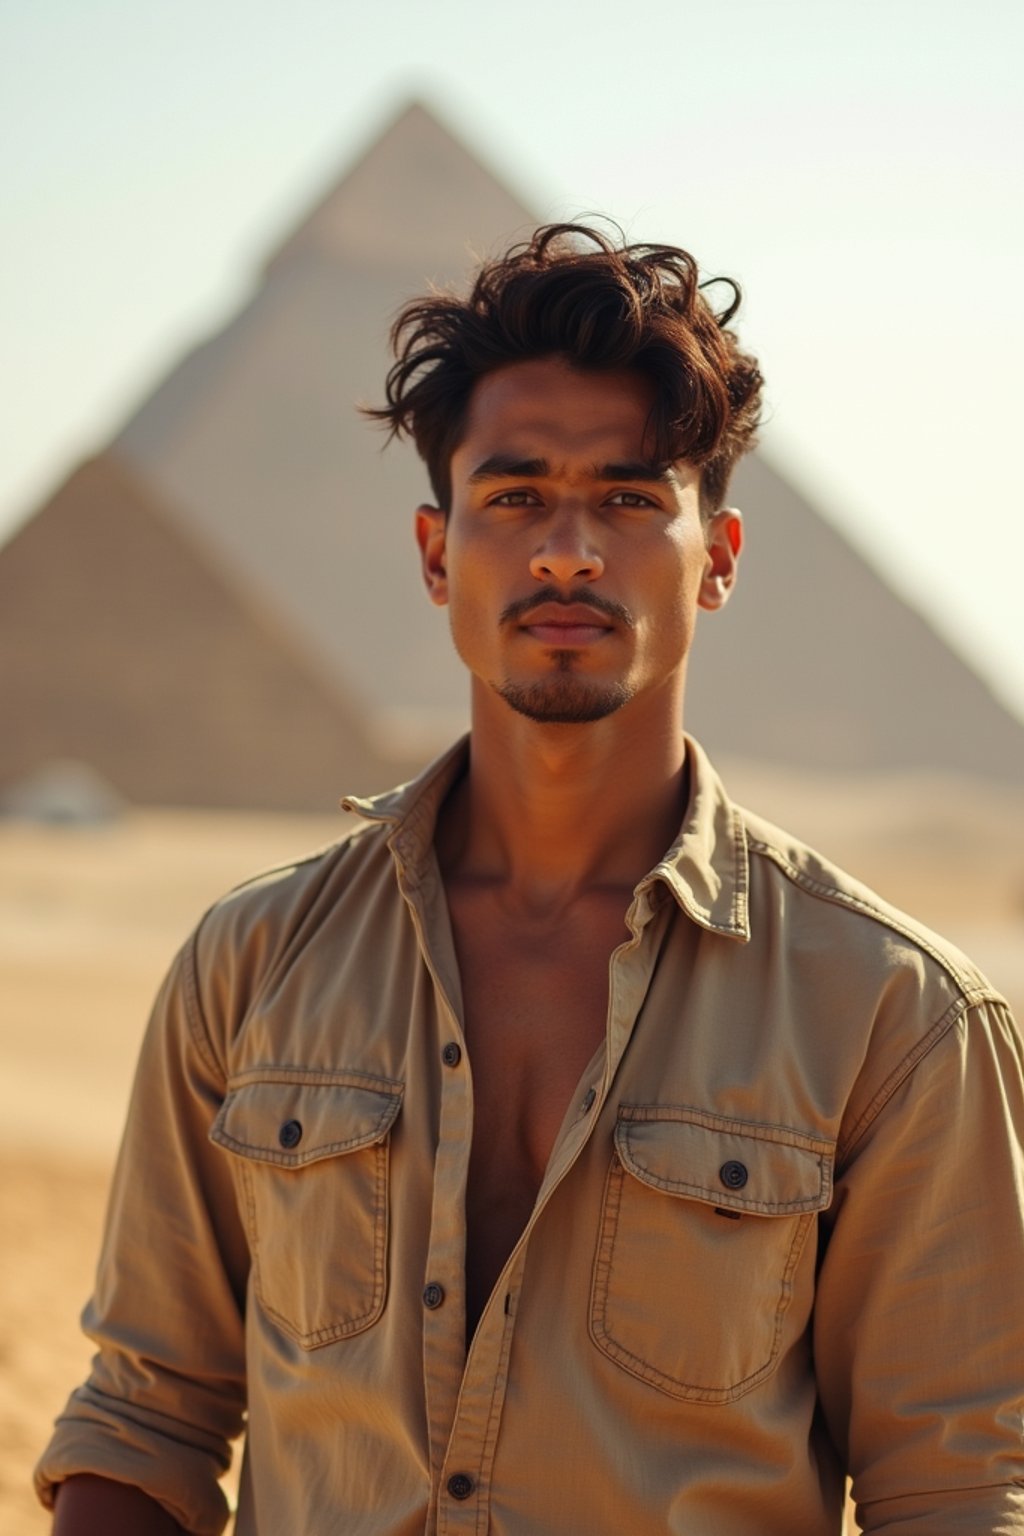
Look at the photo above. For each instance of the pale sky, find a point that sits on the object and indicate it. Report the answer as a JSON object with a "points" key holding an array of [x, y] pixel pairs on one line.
{"points": [[858, 166]]}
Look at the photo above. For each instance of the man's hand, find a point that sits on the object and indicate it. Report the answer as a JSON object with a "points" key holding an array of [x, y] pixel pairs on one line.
{"points": [[94, 1506]]}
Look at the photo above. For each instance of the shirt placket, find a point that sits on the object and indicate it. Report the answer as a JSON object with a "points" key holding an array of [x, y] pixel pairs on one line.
{"points": [[464, 1484], [443, 1295]]}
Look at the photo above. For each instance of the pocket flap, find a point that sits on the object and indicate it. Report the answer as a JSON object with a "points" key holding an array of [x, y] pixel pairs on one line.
{"points": [[288, 1119], [740, 1165]]}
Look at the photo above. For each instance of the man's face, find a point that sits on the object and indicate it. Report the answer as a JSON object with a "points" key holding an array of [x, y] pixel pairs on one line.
{"points": [[572, 565]]}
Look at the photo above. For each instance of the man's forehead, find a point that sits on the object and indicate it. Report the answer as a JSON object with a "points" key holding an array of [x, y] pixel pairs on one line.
{"points": [[551, 393], [548, 412]]}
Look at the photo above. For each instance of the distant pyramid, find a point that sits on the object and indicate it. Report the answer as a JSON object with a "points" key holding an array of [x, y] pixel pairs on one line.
{"points": [[126, 648], [224, 608], [818, 664], [257, 443]]}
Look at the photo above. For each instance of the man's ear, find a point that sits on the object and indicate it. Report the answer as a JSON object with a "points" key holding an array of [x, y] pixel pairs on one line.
{"points": [[431, 529], [724, 540]]}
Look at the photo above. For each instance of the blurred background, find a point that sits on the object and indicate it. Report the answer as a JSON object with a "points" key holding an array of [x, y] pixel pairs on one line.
{"points": [[210, 622]]}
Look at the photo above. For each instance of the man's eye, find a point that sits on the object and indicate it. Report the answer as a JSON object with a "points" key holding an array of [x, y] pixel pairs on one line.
{"points": [[629, 499], [515, 499]]}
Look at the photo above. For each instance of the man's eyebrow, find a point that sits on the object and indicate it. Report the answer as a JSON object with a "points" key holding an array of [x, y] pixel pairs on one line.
{"points": [[502, 466], [637, 469]]}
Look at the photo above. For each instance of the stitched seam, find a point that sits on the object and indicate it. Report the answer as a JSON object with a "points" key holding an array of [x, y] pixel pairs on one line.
{"points": [[293, 933], [490, 1436], [815, 1147], [197, 1025], [725, 1197], [599, 1332], [380, 1226], [602, 1261], [971, 993], [193, 1005], [331, 1332], [757, 1130], [741, 902], [901, 1072], [316, 1077], [887, 919], [252, 1227], [303, 1160], [375, 1131]]}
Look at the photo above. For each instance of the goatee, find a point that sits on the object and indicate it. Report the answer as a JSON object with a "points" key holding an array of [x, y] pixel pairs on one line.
{"points": [[564, 699]]}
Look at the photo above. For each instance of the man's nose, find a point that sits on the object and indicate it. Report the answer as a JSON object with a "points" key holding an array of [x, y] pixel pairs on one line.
{"points": [[567, 552]]}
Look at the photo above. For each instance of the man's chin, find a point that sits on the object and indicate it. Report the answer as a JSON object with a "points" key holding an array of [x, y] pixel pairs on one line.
{"points": [[564, 700]]}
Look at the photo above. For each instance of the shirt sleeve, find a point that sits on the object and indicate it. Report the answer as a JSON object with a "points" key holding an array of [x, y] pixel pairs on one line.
{"points": [[919, 1318], [166, 1392]]}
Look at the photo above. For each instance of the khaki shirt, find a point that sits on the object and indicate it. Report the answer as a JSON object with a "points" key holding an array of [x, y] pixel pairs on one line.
{"points": [[779, 1239]]}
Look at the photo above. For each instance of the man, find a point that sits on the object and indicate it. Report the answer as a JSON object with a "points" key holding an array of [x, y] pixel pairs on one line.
{"points": [[567, 1150]]}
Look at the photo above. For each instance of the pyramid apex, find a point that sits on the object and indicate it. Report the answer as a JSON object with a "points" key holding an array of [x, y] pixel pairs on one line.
{"points": [[413, 198]]}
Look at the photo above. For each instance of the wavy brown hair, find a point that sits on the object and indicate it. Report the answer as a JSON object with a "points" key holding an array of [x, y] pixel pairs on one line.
{"points": [[571, 291]]}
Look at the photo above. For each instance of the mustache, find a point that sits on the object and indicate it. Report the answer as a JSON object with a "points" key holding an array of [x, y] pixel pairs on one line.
{"points": [[582, 595]]}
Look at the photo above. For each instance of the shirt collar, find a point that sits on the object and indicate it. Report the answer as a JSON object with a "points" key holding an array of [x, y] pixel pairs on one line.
{"points": [[706, 868]]}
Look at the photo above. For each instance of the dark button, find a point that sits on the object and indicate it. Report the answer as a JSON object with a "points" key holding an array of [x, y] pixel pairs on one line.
{"points": [[733, 1175], [588, 1100], [290, 1133], [433, 1295], [460, 1486], [451, 1056]]}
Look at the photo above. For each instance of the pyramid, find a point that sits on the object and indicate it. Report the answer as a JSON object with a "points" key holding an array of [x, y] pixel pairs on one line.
{"points": [[257, 441], [817, 664], [224, 606], [125, 648]]}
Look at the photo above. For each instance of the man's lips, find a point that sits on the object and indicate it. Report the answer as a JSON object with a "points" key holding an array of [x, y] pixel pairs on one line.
{"points": [[559, 624]]}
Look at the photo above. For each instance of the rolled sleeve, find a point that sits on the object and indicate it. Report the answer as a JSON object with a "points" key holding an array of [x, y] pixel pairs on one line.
{"points": [[919, 1318], [166, 1391]]}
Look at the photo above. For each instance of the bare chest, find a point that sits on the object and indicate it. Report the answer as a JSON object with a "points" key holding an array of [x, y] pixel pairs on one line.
{"points": [[535, 1000]]}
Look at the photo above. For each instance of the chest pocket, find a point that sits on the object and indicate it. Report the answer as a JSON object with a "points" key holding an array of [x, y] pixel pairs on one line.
{"points": [[312, 1161], [704, 1222]]}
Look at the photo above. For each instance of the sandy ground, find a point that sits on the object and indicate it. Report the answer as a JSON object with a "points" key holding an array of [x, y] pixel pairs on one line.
{"points": [[89, 917]]}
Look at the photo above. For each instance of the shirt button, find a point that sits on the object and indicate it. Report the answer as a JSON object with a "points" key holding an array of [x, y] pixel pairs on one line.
{"points": [[588, 1100], [452, 1054], [290, 1133], [733, 1175], [460, 1486], [433, 1295]]}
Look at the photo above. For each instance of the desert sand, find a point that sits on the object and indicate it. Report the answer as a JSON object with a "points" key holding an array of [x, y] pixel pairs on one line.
{"points": [[90, 915], [89, 918]]}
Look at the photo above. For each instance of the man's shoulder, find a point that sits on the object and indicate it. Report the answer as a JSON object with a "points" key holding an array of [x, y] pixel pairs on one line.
{"points": [[307, 915], [270, 907], [822, 901]]}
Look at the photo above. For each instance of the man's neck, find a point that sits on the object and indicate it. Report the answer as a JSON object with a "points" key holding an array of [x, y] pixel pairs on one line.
{"points": [[549, 811]]}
